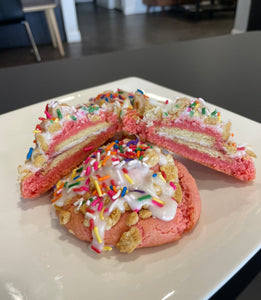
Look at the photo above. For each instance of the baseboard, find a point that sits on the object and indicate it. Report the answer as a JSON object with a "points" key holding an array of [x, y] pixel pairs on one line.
{"points": [[237, 31], [73, 36]]}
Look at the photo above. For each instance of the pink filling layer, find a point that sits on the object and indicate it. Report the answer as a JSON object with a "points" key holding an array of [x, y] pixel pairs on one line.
{"points": [[38, 183]]}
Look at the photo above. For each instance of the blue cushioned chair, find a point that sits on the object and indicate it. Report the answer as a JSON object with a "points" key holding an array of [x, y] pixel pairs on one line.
{"points": [[11, 12]]}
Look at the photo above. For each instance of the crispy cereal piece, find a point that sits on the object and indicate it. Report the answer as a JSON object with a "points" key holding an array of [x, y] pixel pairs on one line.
{"points": [[86, 223], [169, 159], [157, 189], [67, 201], [231, 148], [106, 200], [132, 219], [64, 217], [251, 153], [145, 214], [152, 112], [39, 160], [129, 240], [40, 139], [52, 110], [94, 118], [211, 121], [139, 103], [226, 131], [126, 206], [153, 157], [92, 184], [171, 172], [180, 105], [82, 208], [54, 127], [113, 218], [177, 195]]}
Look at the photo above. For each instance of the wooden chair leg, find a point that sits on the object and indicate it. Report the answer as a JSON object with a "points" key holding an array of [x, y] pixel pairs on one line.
{"points": [[51, 31], [30, 35], [53, 22]]}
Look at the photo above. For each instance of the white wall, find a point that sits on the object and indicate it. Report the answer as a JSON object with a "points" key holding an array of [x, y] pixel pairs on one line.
{"points": [[70, 21], [128, 7], [242, 16]]}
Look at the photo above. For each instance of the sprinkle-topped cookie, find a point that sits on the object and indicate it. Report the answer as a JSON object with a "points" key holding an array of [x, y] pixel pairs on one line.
{"points": [[122, 174]]}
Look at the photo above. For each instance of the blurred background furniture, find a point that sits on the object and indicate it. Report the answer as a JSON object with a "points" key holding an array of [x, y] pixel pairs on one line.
{"points": [[11, 12], [194, 6], [48, 9], [161, 3]]}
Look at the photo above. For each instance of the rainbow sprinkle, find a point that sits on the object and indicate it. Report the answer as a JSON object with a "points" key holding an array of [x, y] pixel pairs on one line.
{"points": [[29, 154], [128, 178]]}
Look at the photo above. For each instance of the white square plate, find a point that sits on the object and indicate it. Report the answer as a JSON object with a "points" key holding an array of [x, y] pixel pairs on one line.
{"points": [[41, 260]]}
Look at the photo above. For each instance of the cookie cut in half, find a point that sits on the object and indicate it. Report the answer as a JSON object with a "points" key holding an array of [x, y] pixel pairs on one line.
{"points": [[189, 128], [63, 138], [67, 135]]}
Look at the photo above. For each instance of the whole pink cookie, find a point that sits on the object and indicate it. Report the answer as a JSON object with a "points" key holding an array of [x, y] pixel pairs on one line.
{"points": [[130, 195]]}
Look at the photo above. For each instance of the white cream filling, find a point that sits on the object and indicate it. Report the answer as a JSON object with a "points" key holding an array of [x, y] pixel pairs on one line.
{"points": [[187, 136], [78, 140]]}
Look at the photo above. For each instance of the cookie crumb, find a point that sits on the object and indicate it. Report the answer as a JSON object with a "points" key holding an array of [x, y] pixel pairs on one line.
{"points": [[171, 172], [132, 219], [145, 214], [39, 160], [178, 193], [54, 127], [226, 131], [113, 218], [251, 153], [211, 121], [152, 157], [64, 217], [157, 189], [129, 240], [83, 208], [126, 206], [86, 223]]}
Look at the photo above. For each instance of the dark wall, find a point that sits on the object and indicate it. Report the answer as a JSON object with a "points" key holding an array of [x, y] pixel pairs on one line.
{"points": [[12, 36]]}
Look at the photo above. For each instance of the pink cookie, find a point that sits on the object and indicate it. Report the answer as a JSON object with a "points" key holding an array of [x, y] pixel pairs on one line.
{"points": [[132, 222]]}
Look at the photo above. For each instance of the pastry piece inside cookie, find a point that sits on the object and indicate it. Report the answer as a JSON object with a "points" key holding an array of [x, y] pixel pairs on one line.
{"points": [[127, 194], [189, 128]]}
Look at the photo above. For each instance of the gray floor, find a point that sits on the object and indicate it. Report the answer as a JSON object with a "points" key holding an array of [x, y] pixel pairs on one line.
{"points": [[109, 30]]}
